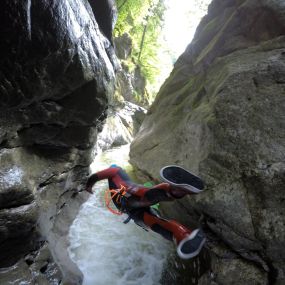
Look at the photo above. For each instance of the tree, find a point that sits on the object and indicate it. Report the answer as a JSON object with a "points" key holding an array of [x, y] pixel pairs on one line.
{"points": [[143, 21]]}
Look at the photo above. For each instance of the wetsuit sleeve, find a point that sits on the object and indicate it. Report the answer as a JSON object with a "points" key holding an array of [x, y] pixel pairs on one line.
{"points": [[107, 173], [104, 174]]}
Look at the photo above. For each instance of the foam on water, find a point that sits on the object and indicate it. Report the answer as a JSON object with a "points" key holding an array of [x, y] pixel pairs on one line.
{"points": [[108, 251]]}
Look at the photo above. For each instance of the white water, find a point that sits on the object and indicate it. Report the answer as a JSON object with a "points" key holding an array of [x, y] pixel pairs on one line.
{"points": [[108, 251]]}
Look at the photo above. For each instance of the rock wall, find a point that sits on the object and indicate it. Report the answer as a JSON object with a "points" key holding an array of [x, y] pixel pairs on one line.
{"points": [[220, 114], [57, 73], [130, 83], [120, 127]]}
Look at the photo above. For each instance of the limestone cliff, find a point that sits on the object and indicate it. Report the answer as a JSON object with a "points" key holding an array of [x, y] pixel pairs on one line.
{"points": [[220, 114], [57, 73]]}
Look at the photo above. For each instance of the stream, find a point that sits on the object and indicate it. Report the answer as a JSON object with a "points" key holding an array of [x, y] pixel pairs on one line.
{"points": [[106, 250]]}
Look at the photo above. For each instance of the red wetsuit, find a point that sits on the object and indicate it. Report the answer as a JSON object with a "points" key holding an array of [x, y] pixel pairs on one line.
{"points": [[138, 201]]}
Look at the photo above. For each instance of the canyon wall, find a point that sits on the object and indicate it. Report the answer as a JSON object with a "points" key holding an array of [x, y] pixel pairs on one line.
{"points": [[220, 114], [57, 74]]}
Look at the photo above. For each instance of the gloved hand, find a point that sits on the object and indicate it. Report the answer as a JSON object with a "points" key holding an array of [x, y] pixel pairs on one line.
{"points": [[89, 189], [90, 182]]}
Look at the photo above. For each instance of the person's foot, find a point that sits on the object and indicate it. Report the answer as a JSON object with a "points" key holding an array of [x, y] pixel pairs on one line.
{"points": [[191, 246], [179, 177]]}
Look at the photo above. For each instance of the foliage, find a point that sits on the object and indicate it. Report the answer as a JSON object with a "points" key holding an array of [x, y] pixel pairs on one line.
{"points": [[143, 21], [160, 31]]}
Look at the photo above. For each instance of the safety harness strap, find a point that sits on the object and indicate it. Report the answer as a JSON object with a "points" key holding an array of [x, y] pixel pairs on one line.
{"points": [[120, 199]]}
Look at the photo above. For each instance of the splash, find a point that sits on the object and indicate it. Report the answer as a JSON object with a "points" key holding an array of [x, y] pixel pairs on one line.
{"points": [[108, 251]]}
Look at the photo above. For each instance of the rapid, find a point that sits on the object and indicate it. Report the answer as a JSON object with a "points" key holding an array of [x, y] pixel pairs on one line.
{"points": [[106, 250]]}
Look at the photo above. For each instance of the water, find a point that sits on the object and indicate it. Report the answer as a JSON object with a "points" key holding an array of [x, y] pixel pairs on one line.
{"points": [[108, 251]]}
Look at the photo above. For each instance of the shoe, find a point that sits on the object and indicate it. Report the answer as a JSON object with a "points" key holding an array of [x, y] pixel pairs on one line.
{"points": [[191, 246], [181, 178]]}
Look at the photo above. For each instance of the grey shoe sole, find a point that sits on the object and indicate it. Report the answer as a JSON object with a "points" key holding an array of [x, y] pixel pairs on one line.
{"points": [[191, 245], [182, 178]]}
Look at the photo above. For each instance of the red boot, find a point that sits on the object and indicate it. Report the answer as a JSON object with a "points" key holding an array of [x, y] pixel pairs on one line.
{"points": [[189, 243]]}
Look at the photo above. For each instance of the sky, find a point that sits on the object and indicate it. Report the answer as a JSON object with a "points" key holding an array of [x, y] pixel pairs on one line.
{"points": [[181, 21]]}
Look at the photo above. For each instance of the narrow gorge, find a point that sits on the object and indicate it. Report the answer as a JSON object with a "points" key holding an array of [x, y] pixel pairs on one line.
{"points": [[66, 95]]}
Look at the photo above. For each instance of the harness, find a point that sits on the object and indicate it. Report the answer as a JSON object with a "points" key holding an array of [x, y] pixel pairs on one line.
{"points": [[120, 200]]}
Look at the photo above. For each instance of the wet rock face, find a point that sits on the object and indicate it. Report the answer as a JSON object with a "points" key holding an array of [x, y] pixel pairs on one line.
{"points": [[121, 125], [55, 80], [220, 114], [130, 82], [105, 12], [50, 74]]}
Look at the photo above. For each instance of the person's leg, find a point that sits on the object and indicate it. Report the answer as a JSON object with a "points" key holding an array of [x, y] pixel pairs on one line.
{"points": [[158, 193], [189, 242]]}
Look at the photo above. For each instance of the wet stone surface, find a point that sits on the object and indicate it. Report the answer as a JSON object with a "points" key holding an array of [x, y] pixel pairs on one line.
{"points": [[214, 117], [57, 73]]}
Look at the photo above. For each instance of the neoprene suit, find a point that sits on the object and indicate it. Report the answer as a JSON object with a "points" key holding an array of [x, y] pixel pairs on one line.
{"points": [[138, 200]]}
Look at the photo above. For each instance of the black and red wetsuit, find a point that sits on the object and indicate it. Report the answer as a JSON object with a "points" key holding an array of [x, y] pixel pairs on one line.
{"points": [[138, 202]]}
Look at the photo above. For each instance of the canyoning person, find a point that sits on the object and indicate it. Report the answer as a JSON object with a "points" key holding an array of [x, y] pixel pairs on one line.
{"points": [[136, 200]]}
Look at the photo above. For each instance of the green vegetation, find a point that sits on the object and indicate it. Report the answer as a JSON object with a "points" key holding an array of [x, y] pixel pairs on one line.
{"points": [[159, 31], [143, 21]]}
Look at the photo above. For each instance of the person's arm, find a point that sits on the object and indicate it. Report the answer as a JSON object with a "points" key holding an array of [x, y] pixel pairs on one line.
{"points": [[90, 182], [104, 174]]}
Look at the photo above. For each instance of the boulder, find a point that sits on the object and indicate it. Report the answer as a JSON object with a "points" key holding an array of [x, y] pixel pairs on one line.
{"points": [[220, 114]]}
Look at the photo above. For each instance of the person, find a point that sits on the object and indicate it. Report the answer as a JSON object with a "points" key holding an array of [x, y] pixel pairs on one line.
{"points": [[136, 201]]}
